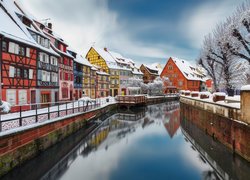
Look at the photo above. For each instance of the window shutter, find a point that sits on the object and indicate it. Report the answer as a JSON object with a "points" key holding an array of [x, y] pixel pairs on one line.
{"points": [[12, 47], [16, 49], [30, 73], [11, 71], [28, 52]]}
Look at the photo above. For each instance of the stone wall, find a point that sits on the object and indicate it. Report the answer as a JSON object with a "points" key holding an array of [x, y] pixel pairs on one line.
{"points": [[220, 124], [21, 146]]}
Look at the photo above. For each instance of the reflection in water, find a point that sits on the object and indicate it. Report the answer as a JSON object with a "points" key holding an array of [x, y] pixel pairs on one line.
{"points": [[145, 143]]}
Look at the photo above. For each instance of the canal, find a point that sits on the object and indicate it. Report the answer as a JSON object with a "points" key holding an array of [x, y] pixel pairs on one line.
{"points": [[147, 143]]}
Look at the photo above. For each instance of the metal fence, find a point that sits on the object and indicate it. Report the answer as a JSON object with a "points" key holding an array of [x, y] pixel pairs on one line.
{"points": [[52, 111]]}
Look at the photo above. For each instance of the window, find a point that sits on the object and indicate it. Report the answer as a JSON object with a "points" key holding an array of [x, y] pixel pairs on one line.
{"points": [[18, 72], [180, 83], [11, 71], [48, 76], [170, 67], [4, 46], [27, 52], [13, 48], [22, 97], [53, 60], [25, 73], [21, 51], [44, 75], [44, 57], [11, 96]]}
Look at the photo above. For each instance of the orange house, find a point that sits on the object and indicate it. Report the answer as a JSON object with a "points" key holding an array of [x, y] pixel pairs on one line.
{"points": [[182, 76]]}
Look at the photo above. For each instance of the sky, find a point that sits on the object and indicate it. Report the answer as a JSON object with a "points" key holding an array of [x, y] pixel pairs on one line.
{"points": [[147, 31]]}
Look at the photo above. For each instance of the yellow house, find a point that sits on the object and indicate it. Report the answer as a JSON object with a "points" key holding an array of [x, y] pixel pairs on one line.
{"points": [[103, 59]]}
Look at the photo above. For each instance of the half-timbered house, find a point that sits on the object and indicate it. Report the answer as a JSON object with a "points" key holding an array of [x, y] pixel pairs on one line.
{"points": [[78, 74], [66, 76], [18, 55], [47, 59]]}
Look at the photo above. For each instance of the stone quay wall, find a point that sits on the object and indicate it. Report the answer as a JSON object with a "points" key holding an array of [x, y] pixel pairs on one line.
{"points": [[20, 146], [223, 123]]}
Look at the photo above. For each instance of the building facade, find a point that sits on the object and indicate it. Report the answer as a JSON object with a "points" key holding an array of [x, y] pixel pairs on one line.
{"points": [[65, 62], [102, 89], [149, 74], [183, 76]]}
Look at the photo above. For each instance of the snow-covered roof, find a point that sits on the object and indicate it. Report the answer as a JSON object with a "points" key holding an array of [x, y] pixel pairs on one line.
{"points": [[102, 73], [10, 29], [13, 9], [156, 67], [151, 70], [188, 70]]}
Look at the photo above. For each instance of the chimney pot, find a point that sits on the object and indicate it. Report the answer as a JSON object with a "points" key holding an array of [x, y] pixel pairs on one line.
{"points": [[105, 49], [50, 25]]}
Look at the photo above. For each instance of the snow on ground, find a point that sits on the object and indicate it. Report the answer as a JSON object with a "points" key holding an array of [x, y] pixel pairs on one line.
{"points": [[231, 102], [81, 103]]}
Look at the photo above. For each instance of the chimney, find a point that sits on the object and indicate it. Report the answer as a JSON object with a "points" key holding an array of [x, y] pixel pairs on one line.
{"points": [[50, 26], [106, 49]]}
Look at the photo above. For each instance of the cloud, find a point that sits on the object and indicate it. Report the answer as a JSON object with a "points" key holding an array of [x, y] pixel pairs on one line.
{"points": [[196, 24], [88, 22]]}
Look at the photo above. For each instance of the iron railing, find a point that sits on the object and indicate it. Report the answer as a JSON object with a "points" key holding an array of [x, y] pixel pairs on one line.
{"points": [[37, 113]]}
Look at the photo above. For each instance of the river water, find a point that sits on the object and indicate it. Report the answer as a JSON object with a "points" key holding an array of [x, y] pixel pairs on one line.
{"points": [[147, 143]]}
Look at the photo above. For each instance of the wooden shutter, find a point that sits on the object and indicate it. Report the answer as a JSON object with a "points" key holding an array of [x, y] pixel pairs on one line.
{"points": [[30, 73], [11, 71]]}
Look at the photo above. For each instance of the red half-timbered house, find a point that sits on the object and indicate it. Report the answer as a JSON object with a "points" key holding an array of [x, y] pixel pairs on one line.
{"points": [[18, 62], [47, 59]]}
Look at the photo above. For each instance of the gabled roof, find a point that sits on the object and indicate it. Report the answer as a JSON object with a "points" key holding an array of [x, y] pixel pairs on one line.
{"points": [[151, 70], [13, 11], [10, 29], [188, 70]]}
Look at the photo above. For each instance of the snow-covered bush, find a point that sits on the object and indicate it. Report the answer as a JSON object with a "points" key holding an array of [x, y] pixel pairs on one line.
{"points": [[5, 107]]}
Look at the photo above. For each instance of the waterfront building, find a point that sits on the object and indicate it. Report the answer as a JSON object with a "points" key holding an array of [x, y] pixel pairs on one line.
{"points": [[149, 73], [29, 65], [118, 67], [93, 82], [66, 76], [78, 74], [47, 59], [102, 88], [183, 76], [86, 77]]}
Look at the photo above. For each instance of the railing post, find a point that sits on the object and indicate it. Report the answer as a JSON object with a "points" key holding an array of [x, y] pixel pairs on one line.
{"points": [[78, 106], [66, 109], [73, 107], [58, 110], [36, 114], [48, 113], [20, 120]]}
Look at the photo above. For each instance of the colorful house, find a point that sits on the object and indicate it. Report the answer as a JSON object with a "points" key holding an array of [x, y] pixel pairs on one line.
{"points": [[118, 67], [183, 76], [93, 82], [149, 73], [18, 55], [102, 59], [47, 58], [66, 75], [86, 77], [102, 89], [78, 74]]}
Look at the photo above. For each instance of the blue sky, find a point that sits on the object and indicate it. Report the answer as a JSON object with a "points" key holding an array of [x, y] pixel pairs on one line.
{"points": [[145, 30]]}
